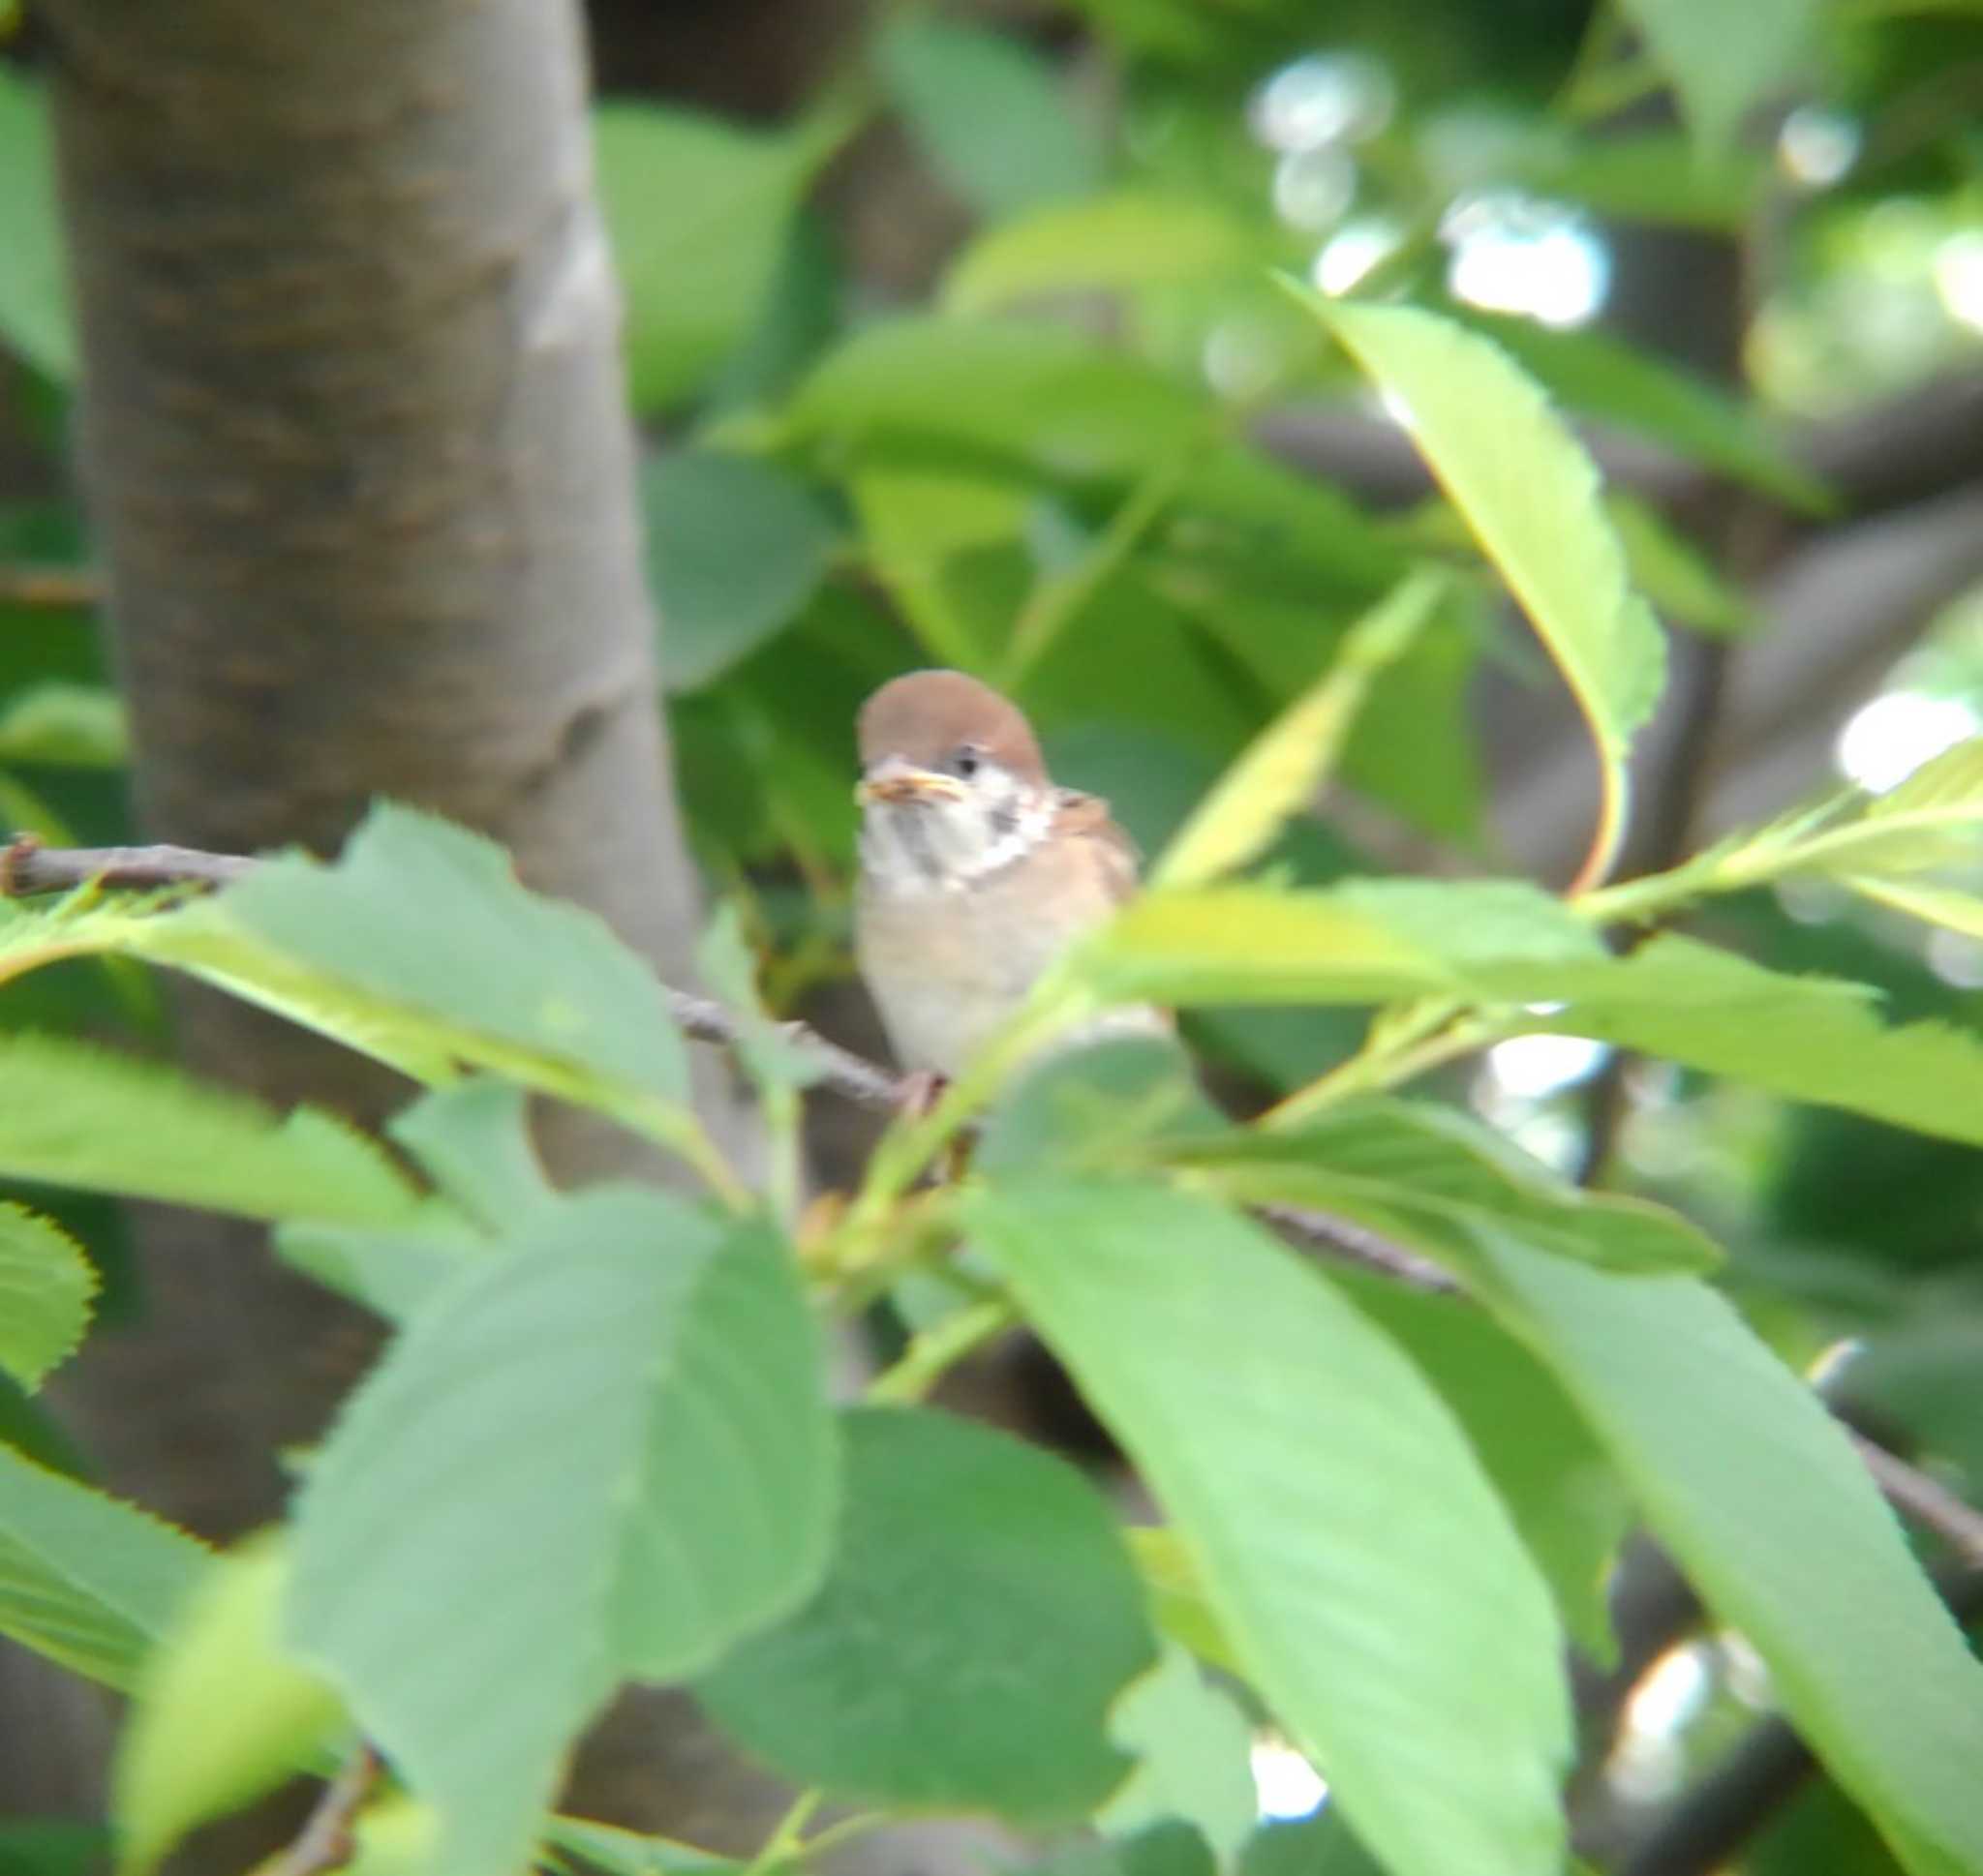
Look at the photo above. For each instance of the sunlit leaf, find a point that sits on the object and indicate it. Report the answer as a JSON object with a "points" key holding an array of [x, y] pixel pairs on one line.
{"points": [[1125, 239], [1531, 496], [1324, 1491], [1592, 371], [1287, 763], [1367, 942], [222, 1714], [1933, 905]]}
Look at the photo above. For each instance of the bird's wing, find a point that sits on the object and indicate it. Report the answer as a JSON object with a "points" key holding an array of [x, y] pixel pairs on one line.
{"points": [[1086, 817]]}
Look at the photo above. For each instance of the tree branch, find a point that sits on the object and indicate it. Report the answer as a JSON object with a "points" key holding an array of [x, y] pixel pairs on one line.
{"points": [[328, 1840], [27, 868]]}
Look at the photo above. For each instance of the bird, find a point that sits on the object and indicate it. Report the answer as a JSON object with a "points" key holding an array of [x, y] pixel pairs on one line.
{"points": [[976, 871]]}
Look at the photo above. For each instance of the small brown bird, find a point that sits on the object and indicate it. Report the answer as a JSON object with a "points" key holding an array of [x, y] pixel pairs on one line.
{"points": [[976, 870]]}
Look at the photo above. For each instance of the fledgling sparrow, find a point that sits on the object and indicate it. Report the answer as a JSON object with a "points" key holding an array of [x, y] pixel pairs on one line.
{"points": [[976, 871]]}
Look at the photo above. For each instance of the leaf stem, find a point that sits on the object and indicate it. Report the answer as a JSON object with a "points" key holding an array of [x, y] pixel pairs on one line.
{"points": [[932, 1354], [783, 1844], [1057, 599]]}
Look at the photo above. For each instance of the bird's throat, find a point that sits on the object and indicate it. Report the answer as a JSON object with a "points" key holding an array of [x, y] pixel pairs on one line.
{"points": [[917, 847]]}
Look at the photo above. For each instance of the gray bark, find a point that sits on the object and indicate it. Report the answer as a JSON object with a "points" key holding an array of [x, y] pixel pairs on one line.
{"points": [[356, 447]]}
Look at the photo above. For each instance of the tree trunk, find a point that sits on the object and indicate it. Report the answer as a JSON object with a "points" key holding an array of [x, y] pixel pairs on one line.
{"points": [[357, 452]]}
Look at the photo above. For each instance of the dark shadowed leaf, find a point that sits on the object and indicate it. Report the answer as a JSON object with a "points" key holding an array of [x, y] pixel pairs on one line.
{"points": [[736, 546], [978, 1620], [1194, 1757], [990, 112]]}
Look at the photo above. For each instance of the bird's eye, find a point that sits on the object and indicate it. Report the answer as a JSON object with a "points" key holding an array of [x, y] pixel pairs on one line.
{"points": [[965, 763]]}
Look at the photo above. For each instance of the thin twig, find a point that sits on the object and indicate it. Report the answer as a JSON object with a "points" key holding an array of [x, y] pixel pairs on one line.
{"points": [[1929, 1503], [328, 1839], [27, 867]]}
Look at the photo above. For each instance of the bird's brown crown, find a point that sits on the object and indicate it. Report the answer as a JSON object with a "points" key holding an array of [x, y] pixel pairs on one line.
{"points": [[927, 715]]}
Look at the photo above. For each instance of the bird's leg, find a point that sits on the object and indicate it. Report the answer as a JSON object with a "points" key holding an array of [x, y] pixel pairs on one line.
{"points": [[919, 1093]]}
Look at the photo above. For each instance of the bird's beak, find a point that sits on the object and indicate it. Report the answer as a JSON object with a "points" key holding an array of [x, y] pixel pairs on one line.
{"points": [[896, 781]]}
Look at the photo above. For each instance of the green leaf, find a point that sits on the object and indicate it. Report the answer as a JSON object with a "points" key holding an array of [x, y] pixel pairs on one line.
{"points": [[391, 1273], [473, 1139], [699, 212], [65, 726], [1932, 905], [85, 1580], [72, 1115], [1760, 1497], [53, 1846], [1604, 377], [1721, 63], [1019, 391], [1123, 240], [34, 302], [393, 1837], [45, 1287], [1194, 1749], [1321, 1845], [1415, 746], [1172, 1849], [429, 918], [1088, 1108], [988, 112], [1674, 576], [736, 546], [222, 1714], [626, 1852], [1529, 493], [1285, 766], [636, 1385], [1324, 1491], [1566, 1499], [1658, 177], [1369, 942], [1804, 1037], [978, 1620], [1935, 817], [1440, 1176]]}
